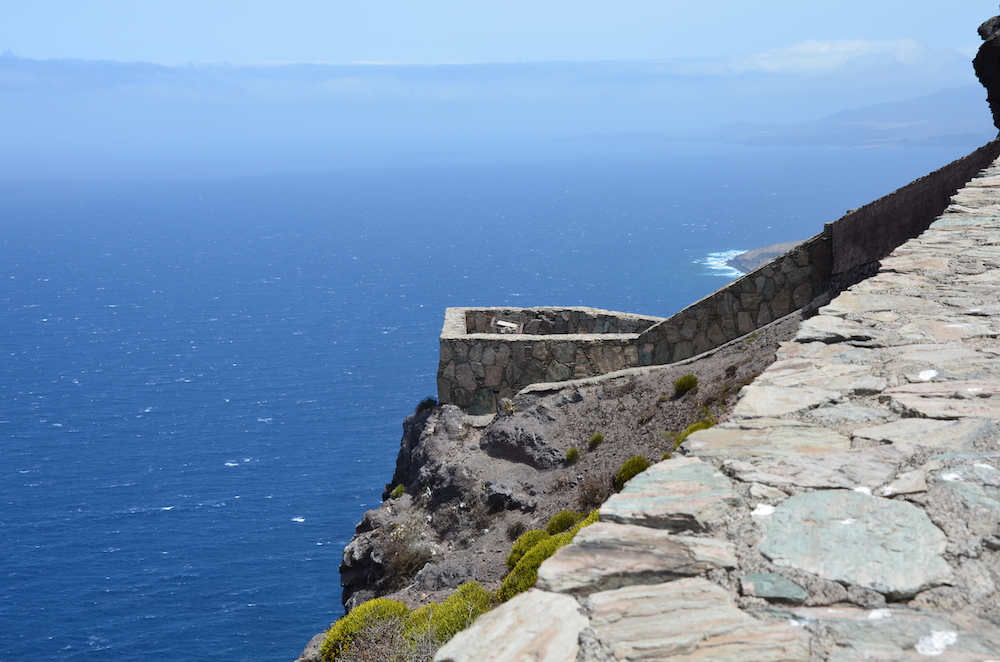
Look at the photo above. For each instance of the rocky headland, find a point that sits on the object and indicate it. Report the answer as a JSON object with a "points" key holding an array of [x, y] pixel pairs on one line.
{"points": [[841, 503]]}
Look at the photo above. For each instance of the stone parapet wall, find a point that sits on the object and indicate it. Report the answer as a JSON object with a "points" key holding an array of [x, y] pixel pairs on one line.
{"points": [[848, 509], [556, 344], [770, 292], [548, 321], [477, 369]]}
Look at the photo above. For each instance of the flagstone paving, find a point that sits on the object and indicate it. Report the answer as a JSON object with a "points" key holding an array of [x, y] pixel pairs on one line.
{"points": [[848, 509]]}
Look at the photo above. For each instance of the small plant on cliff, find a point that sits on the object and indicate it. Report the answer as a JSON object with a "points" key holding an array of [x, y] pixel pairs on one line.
{"points": [[515, 529], [397, 491], [572, 455], [593, 490], [425, 404], [403, 555], [564, 520], [675, 439], [684, 384], [440, 622], [631, 468], [595, 440], [342, 633], [523, 545], [525, 573]]}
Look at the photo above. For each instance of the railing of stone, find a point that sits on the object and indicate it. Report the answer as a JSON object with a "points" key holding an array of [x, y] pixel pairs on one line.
{"points": [[477, 368]]}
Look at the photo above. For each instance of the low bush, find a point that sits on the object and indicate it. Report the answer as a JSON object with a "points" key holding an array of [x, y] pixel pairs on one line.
{"points": [[572, 455], [631, 468], [397, 491], [343, 632], [523, 545], [564, 520], [404, 556], [525, 573], [593, 490], [595, 440], [438, 622], [515, 529], [426, 403], [694, 427], [684, 384]]}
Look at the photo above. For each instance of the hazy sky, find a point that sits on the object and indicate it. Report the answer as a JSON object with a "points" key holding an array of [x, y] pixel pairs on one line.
{"points": [[144, 85], [471, 31]]}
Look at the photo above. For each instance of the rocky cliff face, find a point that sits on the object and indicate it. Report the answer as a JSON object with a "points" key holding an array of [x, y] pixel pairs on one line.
{"points": [[472, 483], [987, 64]]}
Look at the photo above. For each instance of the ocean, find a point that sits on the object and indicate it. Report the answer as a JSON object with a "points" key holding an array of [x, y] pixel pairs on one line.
{"points": [[203, 380]]}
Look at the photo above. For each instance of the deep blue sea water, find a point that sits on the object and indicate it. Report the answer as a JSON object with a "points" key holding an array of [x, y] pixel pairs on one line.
{"points": [[202, 381]]}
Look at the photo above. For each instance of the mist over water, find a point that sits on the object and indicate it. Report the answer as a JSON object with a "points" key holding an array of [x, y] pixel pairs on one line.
{"points": [[202, 380]]}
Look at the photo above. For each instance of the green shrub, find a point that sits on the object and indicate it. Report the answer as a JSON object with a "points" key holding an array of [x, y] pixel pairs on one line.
{"points": [[595, 440], [397, 491], [683, 384], [572, 455], [564, 520], [426, 403], [523, 545], [442, 621], [342, 632], [694, 427], [525, 573], [631, 468]]}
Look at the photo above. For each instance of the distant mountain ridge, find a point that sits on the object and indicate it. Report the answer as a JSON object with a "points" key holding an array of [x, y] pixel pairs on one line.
{"points": [[952, 116]]}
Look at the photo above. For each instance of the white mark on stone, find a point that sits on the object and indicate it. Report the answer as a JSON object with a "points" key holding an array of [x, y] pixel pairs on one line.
{"points": [[848, 521], [762, 510], [879, 614], [956, 326], [927, 375], [863, 490], [951, 477], [936, 643], [986, 466], [888, 490]]}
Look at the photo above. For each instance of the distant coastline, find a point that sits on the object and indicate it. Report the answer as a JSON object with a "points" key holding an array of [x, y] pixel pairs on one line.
{"points": [[750, 260]]}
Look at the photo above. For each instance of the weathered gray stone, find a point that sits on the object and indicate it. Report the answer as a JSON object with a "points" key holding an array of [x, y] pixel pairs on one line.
{"points": [[773, 401], [607, 556], [765, 437], [911, 433], [886, 546], [848, 414], [536, 625], [690, 620], [682, 494], [903, 635], [843, 469], [772, 586], [862, 302], [829, 329], [946, 409]]}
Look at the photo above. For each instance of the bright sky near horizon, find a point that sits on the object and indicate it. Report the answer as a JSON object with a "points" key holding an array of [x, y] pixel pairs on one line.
{"points": [[439, 31]]}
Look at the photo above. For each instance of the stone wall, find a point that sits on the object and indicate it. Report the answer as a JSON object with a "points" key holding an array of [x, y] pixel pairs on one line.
{"points": [[478, 368]]}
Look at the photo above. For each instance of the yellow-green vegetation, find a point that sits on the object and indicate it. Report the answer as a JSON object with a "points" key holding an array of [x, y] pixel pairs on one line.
{"points": [[564, 520], [631, 468], [684, 384], [442, 621], [706, 421], [343, 631], [572, 455], [523, 544], [429, 627], [525, 573], [397, 491], [595, 440]]}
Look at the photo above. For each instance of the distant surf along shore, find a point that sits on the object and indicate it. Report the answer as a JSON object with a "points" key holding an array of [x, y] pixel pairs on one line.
{"points": [[750, 260]]}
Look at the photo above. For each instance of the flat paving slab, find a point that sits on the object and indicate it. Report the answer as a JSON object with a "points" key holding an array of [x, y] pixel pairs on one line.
{"points": [[856, 539], [607, 556], [689, 620], [682, 494]]}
